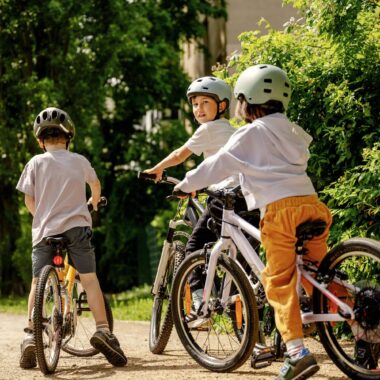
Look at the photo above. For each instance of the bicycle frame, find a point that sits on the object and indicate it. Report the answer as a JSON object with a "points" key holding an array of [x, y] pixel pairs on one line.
{"points": [[232, 239]]}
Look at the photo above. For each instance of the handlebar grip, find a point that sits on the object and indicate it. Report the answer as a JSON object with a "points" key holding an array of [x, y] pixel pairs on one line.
{"points": [[102, 203], [180, 193], [147, 176]]}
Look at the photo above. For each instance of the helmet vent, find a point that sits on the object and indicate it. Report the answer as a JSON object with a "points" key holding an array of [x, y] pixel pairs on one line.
{"points": [[287, 85], [54, 114], [267, 90], [205, 88], [263, 67], [38, 120], [285, 94], [268, 80], [44, 115], [62, 118]]}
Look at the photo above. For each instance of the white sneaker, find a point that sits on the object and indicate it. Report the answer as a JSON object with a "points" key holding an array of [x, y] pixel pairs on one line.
{"points": [[197, 296]]}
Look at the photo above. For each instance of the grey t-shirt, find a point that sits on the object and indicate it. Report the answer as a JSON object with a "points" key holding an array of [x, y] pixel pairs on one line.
{"points": [[57, 182]]}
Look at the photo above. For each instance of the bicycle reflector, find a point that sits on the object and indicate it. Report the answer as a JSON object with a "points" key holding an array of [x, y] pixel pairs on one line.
{"points": [[58, 260]]}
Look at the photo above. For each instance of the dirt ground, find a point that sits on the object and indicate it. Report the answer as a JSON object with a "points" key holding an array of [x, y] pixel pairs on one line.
{"points": [[175, 363]]}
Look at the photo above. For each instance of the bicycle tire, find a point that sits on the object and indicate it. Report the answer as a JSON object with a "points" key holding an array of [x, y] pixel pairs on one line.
{"points": [[219, 325], [47, 320], [78, 342], [347, 261], [161, 323]]}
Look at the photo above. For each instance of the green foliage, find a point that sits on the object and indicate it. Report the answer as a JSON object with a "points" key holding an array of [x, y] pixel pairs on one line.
{"points": [[106, 63], [134, 305], [355, 199], [332, 58]]}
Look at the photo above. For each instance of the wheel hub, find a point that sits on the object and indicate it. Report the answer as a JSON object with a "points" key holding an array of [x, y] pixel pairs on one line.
{"points": [[366, 308]]}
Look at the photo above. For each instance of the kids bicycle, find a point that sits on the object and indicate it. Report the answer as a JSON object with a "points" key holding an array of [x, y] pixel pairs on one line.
{"points": [[61, 315], [173, 253], [344, 306]]}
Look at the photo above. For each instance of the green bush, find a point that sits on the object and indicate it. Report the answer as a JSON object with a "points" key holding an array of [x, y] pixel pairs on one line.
{"points": [[355, 199], [332, 58]]}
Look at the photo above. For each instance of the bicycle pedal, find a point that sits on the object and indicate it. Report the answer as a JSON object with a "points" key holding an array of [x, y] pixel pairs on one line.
{"points": [[262, 358]]}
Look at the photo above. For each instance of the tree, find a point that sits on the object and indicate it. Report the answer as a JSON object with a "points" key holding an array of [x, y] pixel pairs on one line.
{"points": [[332, 58], [106, 63]]}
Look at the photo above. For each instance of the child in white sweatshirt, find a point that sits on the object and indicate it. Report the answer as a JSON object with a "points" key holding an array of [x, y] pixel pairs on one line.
{"points": [[270, 154]]}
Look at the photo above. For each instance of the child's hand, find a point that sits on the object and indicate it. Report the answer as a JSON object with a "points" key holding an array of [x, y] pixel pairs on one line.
{"points": [[94, 203], [185, 195], [157, 172]]}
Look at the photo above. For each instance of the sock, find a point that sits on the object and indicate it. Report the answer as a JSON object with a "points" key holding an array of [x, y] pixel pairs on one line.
{"points": [[103, 326], [294, 347]]}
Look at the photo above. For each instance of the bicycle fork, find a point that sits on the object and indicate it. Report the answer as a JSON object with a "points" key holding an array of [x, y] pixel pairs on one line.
{"points": [[165, 257], [219, 247]]}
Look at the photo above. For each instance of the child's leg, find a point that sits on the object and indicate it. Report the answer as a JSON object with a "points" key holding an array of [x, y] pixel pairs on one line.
{"points": [[32, 295], [95, 299], [278, 229]]}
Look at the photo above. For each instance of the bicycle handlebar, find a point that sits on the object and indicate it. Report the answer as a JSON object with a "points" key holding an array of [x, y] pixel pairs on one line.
{"points": [[146, 176], [164, 179], [218, 194], [102, 203]]}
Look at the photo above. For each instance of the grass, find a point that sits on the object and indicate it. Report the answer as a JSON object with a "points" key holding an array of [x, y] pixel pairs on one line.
{"points": [[14, 305], [132, 305]]}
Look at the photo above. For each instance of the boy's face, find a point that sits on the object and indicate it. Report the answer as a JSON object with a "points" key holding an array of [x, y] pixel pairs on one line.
{"points": [[205, 108]]}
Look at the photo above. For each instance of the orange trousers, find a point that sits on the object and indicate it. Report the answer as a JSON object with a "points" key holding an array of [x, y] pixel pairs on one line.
{"points": [[278, 235]]}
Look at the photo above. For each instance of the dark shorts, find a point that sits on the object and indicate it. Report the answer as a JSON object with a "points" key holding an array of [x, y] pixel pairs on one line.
{"points": [[81, 252]]}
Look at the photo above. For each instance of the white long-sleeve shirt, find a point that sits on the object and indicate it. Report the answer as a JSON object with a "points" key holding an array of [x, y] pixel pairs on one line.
{"points": [[270, 155]]}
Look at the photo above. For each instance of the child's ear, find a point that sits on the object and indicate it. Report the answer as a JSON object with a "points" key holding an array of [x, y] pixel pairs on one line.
{"points": [[40, 143], [222, 106]]}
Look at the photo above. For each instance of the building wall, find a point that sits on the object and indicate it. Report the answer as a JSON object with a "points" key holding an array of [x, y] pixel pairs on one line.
{"points": [[222, 36], [244, 15]]}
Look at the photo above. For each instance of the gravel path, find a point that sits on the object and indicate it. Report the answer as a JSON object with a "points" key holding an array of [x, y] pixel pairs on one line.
{"points": [[142, 365]]}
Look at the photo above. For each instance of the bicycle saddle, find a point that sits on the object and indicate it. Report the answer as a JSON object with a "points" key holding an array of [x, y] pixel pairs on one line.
{"points": [[306, 231], [309, 229], [59, 241]]}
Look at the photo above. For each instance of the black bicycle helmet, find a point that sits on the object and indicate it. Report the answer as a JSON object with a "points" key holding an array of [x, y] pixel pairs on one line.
{"points": [[56, 118]]}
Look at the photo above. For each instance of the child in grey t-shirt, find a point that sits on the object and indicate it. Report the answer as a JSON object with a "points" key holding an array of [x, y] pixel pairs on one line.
{"points": [[54, 184]]}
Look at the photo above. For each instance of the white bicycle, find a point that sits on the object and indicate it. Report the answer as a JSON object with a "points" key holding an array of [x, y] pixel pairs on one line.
{"points": [[172, 254], [344, 307]]}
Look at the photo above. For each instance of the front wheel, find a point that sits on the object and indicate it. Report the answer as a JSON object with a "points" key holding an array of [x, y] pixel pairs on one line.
{"points": [[214, 343], [47, 320], [352, 272], [161, 323]]}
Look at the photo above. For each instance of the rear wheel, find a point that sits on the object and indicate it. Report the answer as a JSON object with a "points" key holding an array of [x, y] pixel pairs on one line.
{"points": [[352, 271], [47, 320], [77, 341], [215, 344], [161, 323]]}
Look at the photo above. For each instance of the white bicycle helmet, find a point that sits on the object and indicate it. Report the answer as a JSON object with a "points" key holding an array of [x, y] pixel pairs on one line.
{"points": [[210, 86], [261, 83], [54, 118]]}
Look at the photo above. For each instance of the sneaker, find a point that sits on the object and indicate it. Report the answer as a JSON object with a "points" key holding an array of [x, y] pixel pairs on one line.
{"points": [[299, 368], [28, 351], [197, 297], [109, 346]]}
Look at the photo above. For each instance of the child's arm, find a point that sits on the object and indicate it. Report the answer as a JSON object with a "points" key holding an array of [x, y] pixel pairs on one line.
{"points": [[96, 190], [30, 204], [173, 159]]}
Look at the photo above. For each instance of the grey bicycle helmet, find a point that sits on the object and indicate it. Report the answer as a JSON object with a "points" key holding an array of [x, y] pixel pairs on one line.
{"points": [[210, 86], [261, 83], [54, 118]]}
